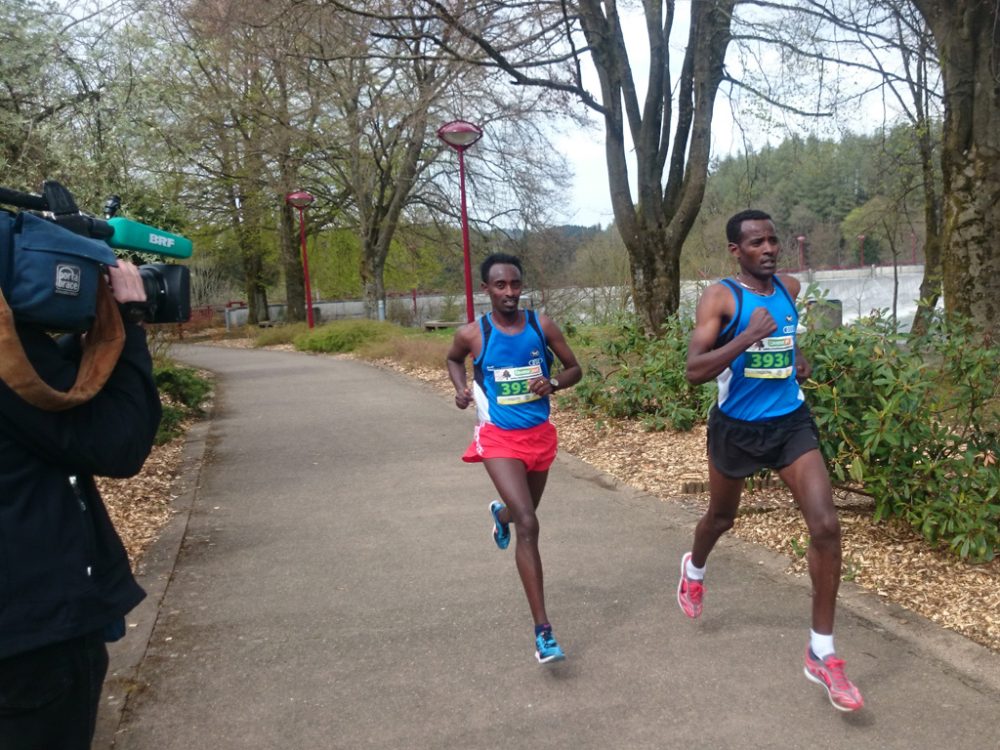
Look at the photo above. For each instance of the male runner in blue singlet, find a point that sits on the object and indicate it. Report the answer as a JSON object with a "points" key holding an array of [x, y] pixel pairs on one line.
{"points": [[514, 439], [744, 337]]}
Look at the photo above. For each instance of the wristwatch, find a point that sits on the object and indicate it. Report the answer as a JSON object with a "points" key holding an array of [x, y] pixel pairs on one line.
{"points": [[554, 383]]}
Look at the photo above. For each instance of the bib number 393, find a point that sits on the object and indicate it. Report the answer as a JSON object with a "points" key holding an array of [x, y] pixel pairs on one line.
{"points": [[512, 384]]}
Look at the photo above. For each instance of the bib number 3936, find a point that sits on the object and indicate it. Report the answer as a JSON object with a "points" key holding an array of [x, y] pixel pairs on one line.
{"points": [[770, 358]]}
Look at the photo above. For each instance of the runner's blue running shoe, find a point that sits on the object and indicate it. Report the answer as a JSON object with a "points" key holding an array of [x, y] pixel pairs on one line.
{"points": [[501, 531], [546, 648]]}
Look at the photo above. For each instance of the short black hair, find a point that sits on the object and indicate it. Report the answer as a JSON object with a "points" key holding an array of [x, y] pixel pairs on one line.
{"points": [[734, 227], [492, 260]]}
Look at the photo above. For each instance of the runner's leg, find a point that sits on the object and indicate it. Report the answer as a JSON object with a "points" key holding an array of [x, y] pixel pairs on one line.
{"points": [[520, 492], [809, 482], [723, 503], [536, 483]]}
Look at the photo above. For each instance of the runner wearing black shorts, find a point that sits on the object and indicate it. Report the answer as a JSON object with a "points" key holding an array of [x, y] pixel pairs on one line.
{"points": [[740, 449], [745, 338]]}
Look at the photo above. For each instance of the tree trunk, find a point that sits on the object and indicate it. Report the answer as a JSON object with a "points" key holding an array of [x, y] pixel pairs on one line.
{"points": [[965, 31], [372, 267], [654, 227], [291, 261], [930, 284], [256, 290], [655, 265], [289, 232]]}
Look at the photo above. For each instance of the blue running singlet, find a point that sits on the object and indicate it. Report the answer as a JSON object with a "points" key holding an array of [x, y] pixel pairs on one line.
{"points": [[503, 370], [760, 383]]}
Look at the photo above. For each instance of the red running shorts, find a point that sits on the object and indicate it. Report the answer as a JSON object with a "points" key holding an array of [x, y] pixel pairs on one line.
{"points": [[535, 446]]}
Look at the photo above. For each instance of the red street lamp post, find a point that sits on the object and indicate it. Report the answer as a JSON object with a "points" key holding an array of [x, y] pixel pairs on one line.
{"points": [[460, 134], [301, 200]]}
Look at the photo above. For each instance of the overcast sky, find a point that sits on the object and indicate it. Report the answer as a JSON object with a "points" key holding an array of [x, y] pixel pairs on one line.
{"points": [[589, 202]]}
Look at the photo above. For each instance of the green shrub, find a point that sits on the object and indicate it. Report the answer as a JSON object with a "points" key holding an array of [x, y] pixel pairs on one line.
{"points": [[182, 391], [639, 377], [912, 420], [279, 334], [170, 424], [181, 384], [343, 336]]}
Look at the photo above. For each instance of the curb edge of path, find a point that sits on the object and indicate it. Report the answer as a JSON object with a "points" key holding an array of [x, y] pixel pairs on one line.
{"points": [[155, 572]]}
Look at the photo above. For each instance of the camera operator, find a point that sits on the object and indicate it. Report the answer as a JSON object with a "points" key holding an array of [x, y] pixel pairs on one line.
{"points": [[65, 579]]}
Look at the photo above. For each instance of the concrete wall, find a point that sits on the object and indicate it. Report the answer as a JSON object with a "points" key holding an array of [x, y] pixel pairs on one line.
{"points": [[862, 290], [859, 291], [426, 307]]}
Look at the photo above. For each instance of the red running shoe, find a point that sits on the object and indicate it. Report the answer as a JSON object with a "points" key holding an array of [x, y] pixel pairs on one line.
{"points": [[689, 591], [829, 673]]}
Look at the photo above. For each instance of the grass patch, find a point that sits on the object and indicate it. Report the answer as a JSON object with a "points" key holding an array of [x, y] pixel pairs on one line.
{"points": [[282, 334], [344, 336], [410, 350]]}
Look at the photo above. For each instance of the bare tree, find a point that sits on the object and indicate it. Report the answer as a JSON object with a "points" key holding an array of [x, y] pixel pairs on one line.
{"points": [[669, 128], [391, 87], [238, 109], [962, 37]]}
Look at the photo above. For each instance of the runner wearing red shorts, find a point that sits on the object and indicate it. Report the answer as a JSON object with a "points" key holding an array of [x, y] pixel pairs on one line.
{"points": [[511, 355]]}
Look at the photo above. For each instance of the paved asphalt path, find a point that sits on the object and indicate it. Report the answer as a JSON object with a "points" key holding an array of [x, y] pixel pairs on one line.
{"points": [[330, 582]]}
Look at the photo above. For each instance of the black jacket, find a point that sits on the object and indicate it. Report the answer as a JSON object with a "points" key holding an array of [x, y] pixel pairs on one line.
{"points": [[63, 569]]}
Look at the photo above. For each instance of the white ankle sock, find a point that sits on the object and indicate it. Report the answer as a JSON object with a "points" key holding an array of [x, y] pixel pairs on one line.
{"points": [[821, 645], [695, 574]]}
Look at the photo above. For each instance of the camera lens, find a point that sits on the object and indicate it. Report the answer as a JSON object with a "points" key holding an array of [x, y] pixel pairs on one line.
{"points": [[168, 292]]}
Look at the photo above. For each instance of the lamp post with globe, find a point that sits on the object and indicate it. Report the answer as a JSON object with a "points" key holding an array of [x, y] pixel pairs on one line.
{"points": [[460, 135], [301, 200]]}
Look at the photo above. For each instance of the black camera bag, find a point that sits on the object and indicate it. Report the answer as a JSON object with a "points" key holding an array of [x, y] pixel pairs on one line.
{"points": [[48, 274]]}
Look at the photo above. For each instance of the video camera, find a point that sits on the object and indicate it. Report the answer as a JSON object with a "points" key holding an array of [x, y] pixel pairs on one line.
{"points": [[51, 255]]}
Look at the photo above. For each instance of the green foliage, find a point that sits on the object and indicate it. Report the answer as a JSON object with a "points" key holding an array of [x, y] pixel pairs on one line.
{"points": [[343, 336], [827, 191], [170, 424], [182, 384], [799, 547], [182, 391], [912, 420], [334, 260], [644, 378], [280, 334]]}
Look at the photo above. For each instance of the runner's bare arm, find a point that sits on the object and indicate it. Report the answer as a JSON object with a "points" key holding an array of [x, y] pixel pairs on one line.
{"points": [[715, 309], [571, 372], [803, 369], [792, 284], [463, 344]]}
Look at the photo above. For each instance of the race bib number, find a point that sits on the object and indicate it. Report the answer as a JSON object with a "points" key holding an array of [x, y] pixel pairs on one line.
{"points": [[512, 384], [770, 358]]}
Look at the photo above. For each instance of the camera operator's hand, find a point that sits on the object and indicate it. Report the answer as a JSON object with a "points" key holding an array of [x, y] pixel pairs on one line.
{"points": [[126, 283]]}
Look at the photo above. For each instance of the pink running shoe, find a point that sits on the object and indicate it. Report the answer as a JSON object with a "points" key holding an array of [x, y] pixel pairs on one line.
{"points": [[689, 591], [829, 673]]}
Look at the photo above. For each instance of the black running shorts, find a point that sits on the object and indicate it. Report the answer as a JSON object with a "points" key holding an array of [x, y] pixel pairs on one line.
{"points": [[740, 449]]}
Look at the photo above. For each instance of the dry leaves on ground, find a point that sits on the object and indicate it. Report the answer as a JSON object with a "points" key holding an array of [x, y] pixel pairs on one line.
{"points": [[888, 558], [141, 506]]}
